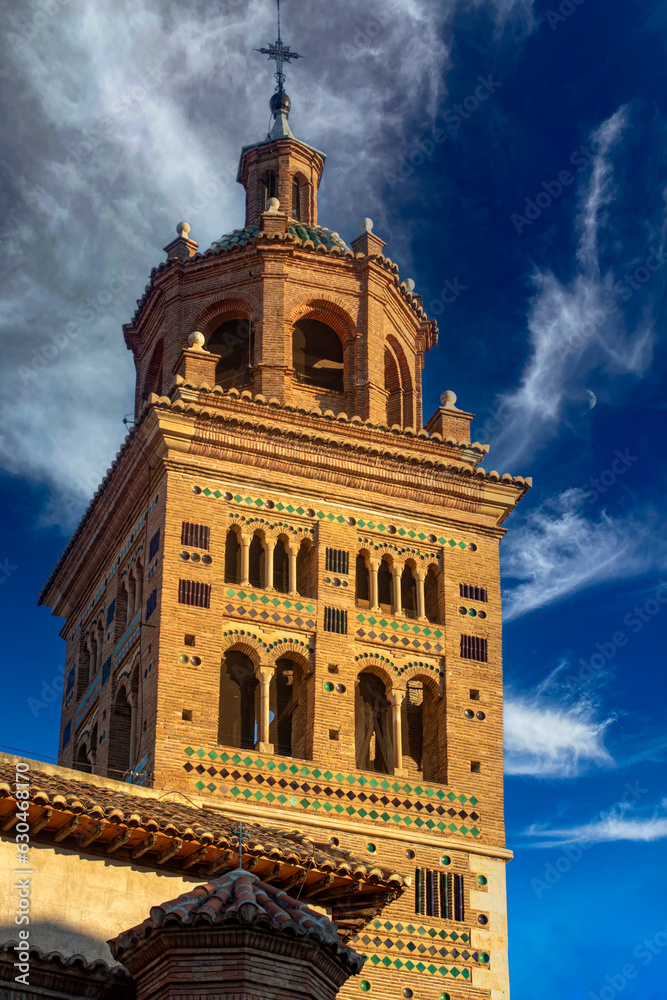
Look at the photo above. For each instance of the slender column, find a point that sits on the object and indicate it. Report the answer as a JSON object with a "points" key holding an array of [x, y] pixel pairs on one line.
{"points": [[292, 552], [421, 601], [264, 673], [270, 546], [396, 697], [98, 652], [131, 592], [245, 561], [396, 584], [90, 754], [132, 699], [374, 566]]}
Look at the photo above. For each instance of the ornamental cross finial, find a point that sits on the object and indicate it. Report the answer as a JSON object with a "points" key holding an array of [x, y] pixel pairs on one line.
{"points": [[282, 55], [239, 834]]}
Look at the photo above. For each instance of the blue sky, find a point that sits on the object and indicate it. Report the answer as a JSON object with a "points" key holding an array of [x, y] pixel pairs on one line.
{"points": [[512, 155]]}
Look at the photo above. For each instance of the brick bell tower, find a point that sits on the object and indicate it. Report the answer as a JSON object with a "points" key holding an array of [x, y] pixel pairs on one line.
{"points": [[284, 597]]}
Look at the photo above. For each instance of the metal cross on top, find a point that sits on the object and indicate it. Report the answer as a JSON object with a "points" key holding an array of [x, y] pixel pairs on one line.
{"points": [[239, 834], [281, 53]]}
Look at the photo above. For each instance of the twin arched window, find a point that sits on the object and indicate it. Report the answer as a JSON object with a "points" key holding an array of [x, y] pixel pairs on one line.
{"points": [[420, 752], [240, 701]]}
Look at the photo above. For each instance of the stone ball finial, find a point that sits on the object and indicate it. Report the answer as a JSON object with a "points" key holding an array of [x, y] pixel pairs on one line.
{"points": [[196, 340], [366, 225], [183, 229], [409, 284], [273, 206], [448, 399]]}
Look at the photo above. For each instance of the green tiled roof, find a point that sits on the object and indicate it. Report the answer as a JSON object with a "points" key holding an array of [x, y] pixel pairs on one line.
{"points": [[318, 235]]}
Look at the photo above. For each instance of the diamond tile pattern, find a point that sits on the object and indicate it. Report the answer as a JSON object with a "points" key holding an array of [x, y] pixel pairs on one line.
{"points": [[375, 798], [370, 525]]}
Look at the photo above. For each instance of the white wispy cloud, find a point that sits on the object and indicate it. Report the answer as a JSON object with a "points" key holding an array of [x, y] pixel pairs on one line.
{"points": [[583, 324], [616, 824], [547, 739], [126, 118], [559, 551]]}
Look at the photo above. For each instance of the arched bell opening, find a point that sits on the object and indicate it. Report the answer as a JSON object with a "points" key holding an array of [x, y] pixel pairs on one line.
{"points": [[267, 188], [392, 385], [362, 582], [82, 763], [372, 725], [385, 586], [287, 699], [239, 701], [431, 595], [232, 557], [153, 372], [420, 730], [317, 354], [281, 567], [257, 562], [409, 592], [233, 342], [120, 737]]}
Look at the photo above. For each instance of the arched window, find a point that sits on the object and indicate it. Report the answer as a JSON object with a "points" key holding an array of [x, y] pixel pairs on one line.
{"points": [[280, 567], [420, 730], [131, 595], [268, 184], [398, 381], [239, 702], [384, 585], [257, 562], [306, 570], [232, 342], [318, 355], [99, 651], [120, 731], [431, 600], [82, 763], [372, 725], [153, 372], [232, 557], [363, 582], [121, 610], [296, 199], [287, 729], [392, 385], [409, 592]]}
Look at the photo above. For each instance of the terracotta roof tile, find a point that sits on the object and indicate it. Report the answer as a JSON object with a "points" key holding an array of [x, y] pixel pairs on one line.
{"points": [[239, 898]]}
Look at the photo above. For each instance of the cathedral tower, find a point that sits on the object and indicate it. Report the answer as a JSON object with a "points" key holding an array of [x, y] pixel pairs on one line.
{"points": [[285, 598]]}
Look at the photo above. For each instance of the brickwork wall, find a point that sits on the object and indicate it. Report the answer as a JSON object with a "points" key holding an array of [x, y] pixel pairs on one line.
{"points": [[284, 460]]}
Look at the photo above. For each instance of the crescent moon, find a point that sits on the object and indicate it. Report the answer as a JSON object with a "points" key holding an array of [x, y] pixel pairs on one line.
{"points": [[592, 398]]}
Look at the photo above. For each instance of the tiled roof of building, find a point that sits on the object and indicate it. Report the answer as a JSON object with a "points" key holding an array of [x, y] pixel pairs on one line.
{"points": [[239, 898], [167, 830], [318, 235]]}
